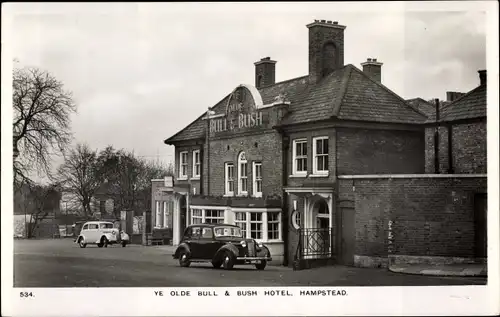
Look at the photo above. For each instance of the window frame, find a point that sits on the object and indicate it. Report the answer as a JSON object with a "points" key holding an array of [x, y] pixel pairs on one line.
{"points": [[242, 160], [264, 223], [227, 180], [203, 214], [181, 164], [316, 155], [158, 214], [196, 164], [254, 179], [294, 156]]}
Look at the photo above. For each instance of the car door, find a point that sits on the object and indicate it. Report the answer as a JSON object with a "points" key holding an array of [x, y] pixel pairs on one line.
{"points": [[93, 232], [192, 239], [85, 232], [207, 244]]}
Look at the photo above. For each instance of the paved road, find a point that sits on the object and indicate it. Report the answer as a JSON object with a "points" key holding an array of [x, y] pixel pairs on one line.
{"points": [[61, 263]]}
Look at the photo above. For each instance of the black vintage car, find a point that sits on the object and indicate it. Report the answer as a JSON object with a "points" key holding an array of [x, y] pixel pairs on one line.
{"points": [[222, 245]]}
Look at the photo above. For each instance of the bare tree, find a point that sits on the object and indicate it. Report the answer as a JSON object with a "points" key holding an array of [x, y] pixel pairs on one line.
{"points": [[41, 123], [80, 176], [42, 200]]}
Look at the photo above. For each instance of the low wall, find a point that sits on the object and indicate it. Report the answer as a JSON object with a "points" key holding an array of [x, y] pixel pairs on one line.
{"points": [[413, 218]]}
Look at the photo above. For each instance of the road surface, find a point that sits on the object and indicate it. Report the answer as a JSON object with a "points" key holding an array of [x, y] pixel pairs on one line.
{"points": [[61, 263]]}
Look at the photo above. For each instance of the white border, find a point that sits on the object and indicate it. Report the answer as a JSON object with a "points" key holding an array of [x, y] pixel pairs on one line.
{"points": [[460, 300]]}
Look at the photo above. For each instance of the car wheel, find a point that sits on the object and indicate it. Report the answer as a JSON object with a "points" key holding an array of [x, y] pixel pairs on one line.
{"points": [[216, 264], [124, 244], [261, 265], [228, 260], [82, 243], [184, 259]]}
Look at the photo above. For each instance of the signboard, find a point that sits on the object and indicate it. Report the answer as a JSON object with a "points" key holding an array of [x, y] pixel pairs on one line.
{"points": [[241, 113], [169, 181]]}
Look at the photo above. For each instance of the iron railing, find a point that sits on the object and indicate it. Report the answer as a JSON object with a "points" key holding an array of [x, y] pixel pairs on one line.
{"points": [[315, 243]]}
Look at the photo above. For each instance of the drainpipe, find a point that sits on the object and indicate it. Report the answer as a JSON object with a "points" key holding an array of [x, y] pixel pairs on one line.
{"points": [[436, 140], [209, 113], [284, 181]]}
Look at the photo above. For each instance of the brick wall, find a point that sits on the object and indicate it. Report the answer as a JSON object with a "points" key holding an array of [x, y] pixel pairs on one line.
{"points": [[265, 148], [443, 150], [310, 135], [430, 216], [361, 151], [469, 148]]}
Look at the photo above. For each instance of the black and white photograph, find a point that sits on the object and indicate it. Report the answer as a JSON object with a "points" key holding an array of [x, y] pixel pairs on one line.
{"points": [[299, 153]]}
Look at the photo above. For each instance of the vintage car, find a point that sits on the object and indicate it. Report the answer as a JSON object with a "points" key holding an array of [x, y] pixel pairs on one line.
{"points": [[101, 233], [222, 245]]}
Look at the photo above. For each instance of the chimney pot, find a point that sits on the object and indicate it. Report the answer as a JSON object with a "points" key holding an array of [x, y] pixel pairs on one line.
{"points": [[329, 22], [335, 22], [374, 59], [373, 69]]}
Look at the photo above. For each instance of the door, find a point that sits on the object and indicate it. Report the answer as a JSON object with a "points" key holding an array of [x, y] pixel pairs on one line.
{"points": [[347, 236], [480, 225], [193, 240], [208, 246]]}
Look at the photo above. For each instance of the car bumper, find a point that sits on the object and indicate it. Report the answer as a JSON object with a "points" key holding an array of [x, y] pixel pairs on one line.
{"points": [[256, 259]]}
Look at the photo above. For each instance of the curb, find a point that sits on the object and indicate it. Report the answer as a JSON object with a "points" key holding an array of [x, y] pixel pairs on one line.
{"points": [[434, 272]]}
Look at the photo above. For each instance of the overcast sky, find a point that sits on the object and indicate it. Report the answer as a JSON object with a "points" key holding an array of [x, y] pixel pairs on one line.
{"points": [[140, 73]]}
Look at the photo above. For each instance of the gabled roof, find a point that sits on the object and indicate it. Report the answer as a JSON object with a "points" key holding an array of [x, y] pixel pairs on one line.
{"points": [[346, 94], [470, 106], [422, 105]]}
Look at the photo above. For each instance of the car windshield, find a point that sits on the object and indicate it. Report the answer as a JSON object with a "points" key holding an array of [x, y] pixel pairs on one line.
{"points": [[106, 225], [227, 232]]}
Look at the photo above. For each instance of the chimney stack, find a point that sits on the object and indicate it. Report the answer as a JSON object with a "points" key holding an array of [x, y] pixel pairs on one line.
{"points": [[265, 72], [482, 77], [326, 48], [373, 69], [453, 95]]}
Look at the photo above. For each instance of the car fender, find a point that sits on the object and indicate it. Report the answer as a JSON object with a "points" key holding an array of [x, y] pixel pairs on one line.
{"points": [[80, 236], [228, 247], [182, 246], [264, 251], [109, 236]]}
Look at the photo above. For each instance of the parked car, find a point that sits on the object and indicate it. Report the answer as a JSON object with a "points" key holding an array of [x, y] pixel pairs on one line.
{"points": [[221, 245], [101, 233]]}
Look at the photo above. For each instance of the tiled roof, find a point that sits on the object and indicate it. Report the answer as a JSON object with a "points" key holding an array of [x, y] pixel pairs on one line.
{"points": [[346, 93], [422, 105], [470, 106]]}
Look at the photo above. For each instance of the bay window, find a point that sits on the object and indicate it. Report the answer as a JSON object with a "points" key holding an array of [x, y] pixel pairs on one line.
{"points": [[262, 225], [196, 164], [257, 179], [299, 160], [320, 155], [202, 215], [229, 179], [242, 174], [183, 165]]}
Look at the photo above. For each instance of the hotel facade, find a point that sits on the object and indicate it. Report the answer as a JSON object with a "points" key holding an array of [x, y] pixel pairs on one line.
{"points": [[332, 167]]}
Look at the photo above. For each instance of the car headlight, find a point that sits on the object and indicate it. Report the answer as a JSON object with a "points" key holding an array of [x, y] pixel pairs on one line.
{"points": [[243, 244]]}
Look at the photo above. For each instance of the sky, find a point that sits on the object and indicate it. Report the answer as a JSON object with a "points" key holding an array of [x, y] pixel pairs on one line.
{"points": [[141, 72]]}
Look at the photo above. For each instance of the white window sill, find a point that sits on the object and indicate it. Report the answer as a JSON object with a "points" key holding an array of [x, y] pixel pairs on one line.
{"points": [[259, 195], [320, 175], [228, 195], [242, 195], [195, 178], [183, 178], [273, 242], [298, 176]]}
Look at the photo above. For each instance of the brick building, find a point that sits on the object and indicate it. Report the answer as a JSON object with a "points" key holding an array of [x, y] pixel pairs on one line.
{"points": [[317, 166]]}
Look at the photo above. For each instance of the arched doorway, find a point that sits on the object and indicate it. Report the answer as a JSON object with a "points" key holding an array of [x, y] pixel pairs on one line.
{"points": [[321, 214]]}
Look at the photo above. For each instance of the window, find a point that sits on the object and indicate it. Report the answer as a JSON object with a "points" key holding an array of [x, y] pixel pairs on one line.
{"points": [[320, 150], [93, 226], [86, 227], [273, 225], [214, 216], [242, 174], [183, 165], [299, 157], [106, 226], [196, 216], [206, 233], [257, 179], [259, 225], [229, 179], [158, 214], [199, 215], [256, 225], [165, 214], [196, 164]]}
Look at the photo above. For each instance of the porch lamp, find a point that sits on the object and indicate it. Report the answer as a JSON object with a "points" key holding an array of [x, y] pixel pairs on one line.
{"points": [[210, 112]]}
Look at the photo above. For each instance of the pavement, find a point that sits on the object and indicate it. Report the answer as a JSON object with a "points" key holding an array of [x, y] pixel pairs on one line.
{"points": [[61, 263], [442, 270]]}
